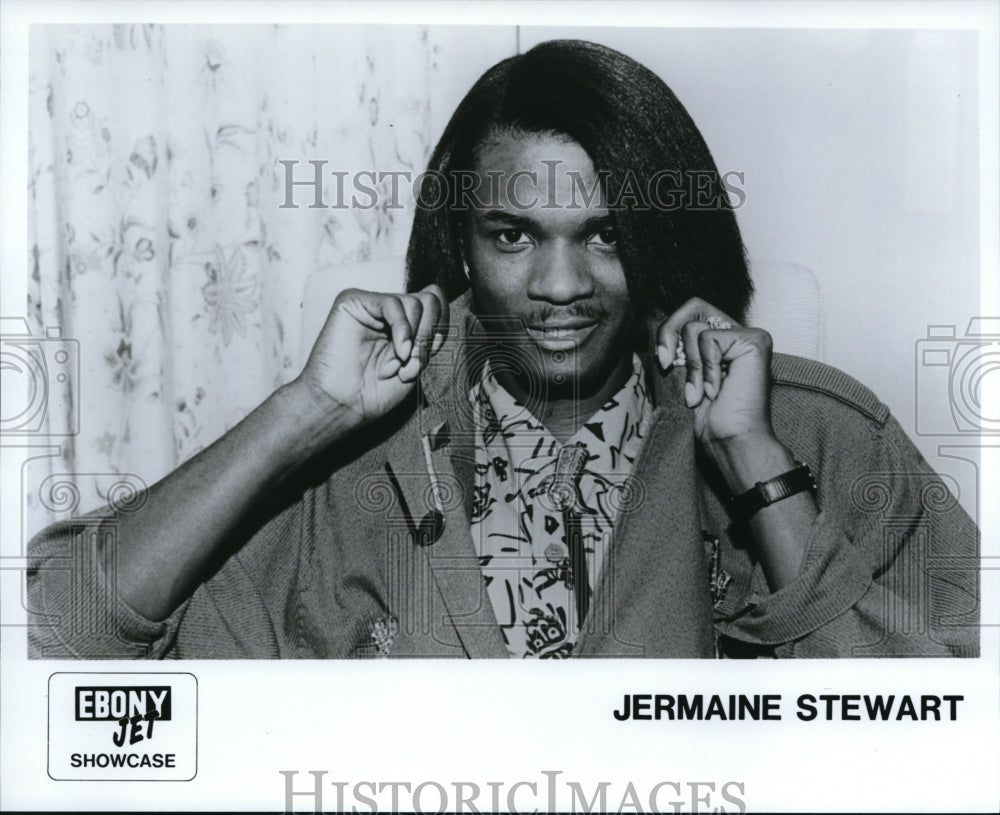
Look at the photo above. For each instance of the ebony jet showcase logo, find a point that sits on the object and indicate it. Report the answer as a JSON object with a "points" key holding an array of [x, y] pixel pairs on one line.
{"points": [[123, 727], [134, 709]]}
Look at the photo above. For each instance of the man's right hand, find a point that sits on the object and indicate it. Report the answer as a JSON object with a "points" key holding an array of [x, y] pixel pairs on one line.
{"points": [[365, 361], [371, 350]]}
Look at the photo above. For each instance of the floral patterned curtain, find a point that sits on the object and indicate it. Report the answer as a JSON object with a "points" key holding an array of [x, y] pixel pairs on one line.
{"points": [[159, 245]]}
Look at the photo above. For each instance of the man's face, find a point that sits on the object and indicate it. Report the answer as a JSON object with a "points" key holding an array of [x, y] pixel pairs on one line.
{"points": [[551, 272]]}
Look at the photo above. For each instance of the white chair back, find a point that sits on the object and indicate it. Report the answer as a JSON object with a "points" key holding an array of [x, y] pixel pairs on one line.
{"points": [[788, 303]]}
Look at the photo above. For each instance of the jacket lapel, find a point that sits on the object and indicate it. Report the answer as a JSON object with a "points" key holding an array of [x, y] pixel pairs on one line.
{"points": [[436, 440], [653, 599]]}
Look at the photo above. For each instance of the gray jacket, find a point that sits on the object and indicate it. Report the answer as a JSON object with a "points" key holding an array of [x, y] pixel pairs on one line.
{"points": [[372, 554]]}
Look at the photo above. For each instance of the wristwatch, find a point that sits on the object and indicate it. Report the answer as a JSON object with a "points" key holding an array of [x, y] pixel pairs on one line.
{"points": [[764, 493]]}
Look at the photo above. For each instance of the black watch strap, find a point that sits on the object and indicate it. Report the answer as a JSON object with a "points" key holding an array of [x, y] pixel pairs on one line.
{"points": [[743, 507]]}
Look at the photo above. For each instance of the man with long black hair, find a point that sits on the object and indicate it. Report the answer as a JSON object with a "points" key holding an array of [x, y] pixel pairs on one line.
{"points": [[559, 442]]}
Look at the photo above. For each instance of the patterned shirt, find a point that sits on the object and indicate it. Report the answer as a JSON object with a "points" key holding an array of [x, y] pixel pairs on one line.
{"points": [[543, 512]]}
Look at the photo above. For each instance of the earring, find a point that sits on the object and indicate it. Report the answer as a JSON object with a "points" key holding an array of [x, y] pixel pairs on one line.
{"points": [[465, 268]]}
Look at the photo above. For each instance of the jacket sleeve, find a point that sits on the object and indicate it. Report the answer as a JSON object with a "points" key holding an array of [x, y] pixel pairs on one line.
{"points": [[76, 612], [891, 564], [74, 609]]}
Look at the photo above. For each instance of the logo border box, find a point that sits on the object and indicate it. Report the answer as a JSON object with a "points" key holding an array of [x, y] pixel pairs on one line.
{"points": [[48, 725]]}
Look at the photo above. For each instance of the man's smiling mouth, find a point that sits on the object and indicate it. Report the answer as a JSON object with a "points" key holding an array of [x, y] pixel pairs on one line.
{"points": [[562, 334]]}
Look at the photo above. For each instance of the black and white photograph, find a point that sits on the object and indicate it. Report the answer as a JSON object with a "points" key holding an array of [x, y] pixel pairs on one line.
{"points": [[644, 341]]}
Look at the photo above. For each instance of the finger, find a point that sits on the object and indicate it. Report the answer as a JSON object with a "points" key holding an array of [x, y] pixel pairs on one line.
{"points": [[711, 351], [694, 389], [430, 314], [443, 319], [695, 310], [669, 348], [410, 370], [389, 311], [667, 335], [414, 309], [390, 367]]}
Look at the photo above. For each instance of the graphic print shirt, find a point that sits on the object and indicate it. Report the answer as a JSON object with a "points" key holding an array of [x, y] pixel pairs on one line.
{"points": [[543, 512]]}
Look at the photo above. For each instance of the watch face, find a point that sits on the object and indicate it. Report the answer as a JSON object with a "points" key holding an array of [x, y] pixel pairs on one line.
{"points": [[775, 489], [768, 492]]}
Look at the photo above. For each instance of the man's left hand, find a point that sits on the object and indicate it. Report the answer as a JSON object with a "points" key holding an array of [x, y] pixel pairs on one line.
{"points": [[728, 371], [728, 387]]}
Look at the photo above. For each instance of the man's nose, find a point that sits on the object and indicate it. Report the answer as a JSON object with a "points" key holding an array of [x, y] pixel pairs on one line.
{"points": [[560, 275]]}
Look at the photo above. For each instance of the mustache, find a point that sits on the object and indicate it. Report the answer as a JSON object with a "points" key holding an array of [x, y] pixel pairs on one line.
{"points": [[547, 313]]}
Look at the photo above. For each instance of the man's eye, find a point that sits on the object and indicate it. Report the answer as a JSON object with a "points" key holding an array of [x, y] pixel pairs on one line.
{"points": [[512, 237], [606, 238], [512, 240]]}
